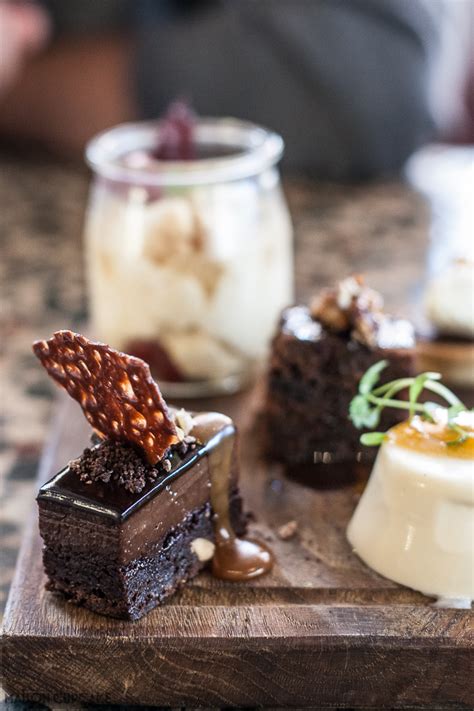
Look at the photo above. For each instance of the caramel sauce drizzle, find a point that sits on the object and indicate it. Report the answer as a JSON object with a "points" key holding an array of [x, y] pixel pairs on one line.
{"points": [[430, 438], [234, 558]]}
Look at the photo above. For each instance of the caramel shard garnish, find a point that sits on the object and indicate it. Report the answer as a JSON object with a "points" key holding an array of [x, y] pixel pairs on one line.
{"points": [[117, 394]]}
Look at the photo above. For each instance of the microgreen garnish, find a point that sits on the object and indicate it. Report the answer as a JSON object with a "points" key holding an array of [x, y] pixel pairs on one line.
{"points": [[453, 412], [366, 407], [372, 439]]}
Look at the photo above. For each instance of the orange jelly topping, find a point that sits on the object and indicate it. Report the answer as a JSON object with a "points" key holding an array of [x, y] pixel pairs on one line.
{"points": [[433, 438]]}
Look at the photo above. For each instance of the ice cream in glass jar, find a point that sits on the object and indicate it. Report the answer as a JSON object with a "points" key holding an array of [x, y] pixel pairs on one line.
{"points": [[189, 248]]}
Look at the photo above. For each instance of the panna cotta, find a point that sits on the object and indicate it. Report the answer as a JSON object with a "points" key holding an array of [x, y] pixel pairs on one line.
{"points": [[414, 522]]}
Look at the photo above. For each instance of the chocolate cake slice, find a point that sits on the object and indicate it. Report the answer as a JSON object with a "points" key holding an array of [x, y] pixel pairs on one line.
{"points": [[119, 552], [141, 512], [318, 357]]}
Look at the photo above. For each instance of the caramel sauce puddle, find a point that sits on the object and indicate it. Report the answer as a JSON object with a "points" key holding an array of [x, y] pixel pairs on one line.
{"points": [[236, 559]]}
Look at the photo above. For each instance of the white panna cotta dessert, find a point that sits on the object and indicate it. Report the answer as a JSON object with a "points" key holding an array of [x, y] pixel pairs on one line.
{"points": [[414, 523]]}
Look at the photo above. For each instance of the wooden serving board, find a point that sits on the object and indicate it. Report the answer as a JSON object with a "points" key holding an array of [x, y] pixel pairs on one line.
{"points": [[321, 630]]}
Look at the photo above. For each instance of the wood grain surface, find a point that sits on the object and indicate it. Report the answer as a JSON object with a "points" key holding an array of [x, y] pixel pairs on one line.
{"points": [[321, 630]]}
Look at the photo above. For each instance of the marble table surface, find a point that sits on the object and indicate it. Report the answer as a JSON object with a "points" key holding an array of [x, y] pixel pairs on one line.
{"points": [[383, 229]]}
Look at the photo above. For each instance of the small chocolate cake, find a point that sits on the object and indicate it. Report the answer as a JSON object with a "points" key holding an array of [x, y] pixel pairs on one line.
{"points": [[120, 552], [141, 512], [318, 356]]}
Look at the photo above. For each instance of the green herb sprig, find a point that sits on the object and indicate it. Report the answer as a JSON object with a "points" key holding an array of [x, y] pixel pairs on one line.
{"points": [[366, 407]]}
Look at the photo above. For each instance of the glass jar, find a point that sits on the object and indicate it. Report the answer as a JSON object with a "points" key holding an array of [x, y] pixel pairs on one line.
{"points": [[189, 263]]}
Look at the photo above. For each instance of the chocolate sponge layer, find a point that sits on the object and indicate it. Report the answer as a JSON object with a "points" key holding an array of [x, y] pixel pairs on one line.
{"points": [[94, 576]]}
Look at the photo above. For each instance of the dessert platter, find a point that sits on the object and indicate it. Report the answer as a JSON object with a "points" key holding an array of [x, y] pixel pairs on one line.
{"points": [[306, 541], [176, 567]]}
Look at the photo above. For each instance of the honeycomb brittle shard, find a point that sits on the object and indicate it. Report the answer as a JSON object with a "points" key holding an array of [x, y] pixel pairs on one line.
{"points": [[116, 392]]}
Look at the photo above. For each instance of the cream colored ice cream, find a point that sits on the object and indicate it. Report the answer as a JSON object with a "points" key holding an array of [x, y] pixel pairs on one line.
{"points": [[204, 271], [415, 521], [450, 300]]}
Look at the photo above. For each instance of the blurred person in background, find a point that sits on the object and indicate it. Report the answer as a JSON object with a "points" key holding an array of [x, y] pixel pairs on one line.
{"points": [[354, 86]]}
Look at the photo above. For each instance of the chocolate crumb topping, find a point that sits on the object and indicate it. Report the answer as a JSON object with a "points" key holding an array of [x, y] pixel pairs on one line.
{"points": [[124, 465]]}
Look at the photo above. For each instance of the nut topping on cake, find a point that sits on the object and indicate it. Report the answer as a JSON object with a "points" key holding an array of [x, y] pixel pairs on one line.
{"points": [[350, 306], [184, 422], [117, 394]]}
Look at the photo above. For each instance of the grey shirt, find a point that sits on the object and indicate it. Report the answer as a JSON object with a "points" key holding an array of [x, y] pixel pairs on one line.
{"points": [[344, 81]]}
